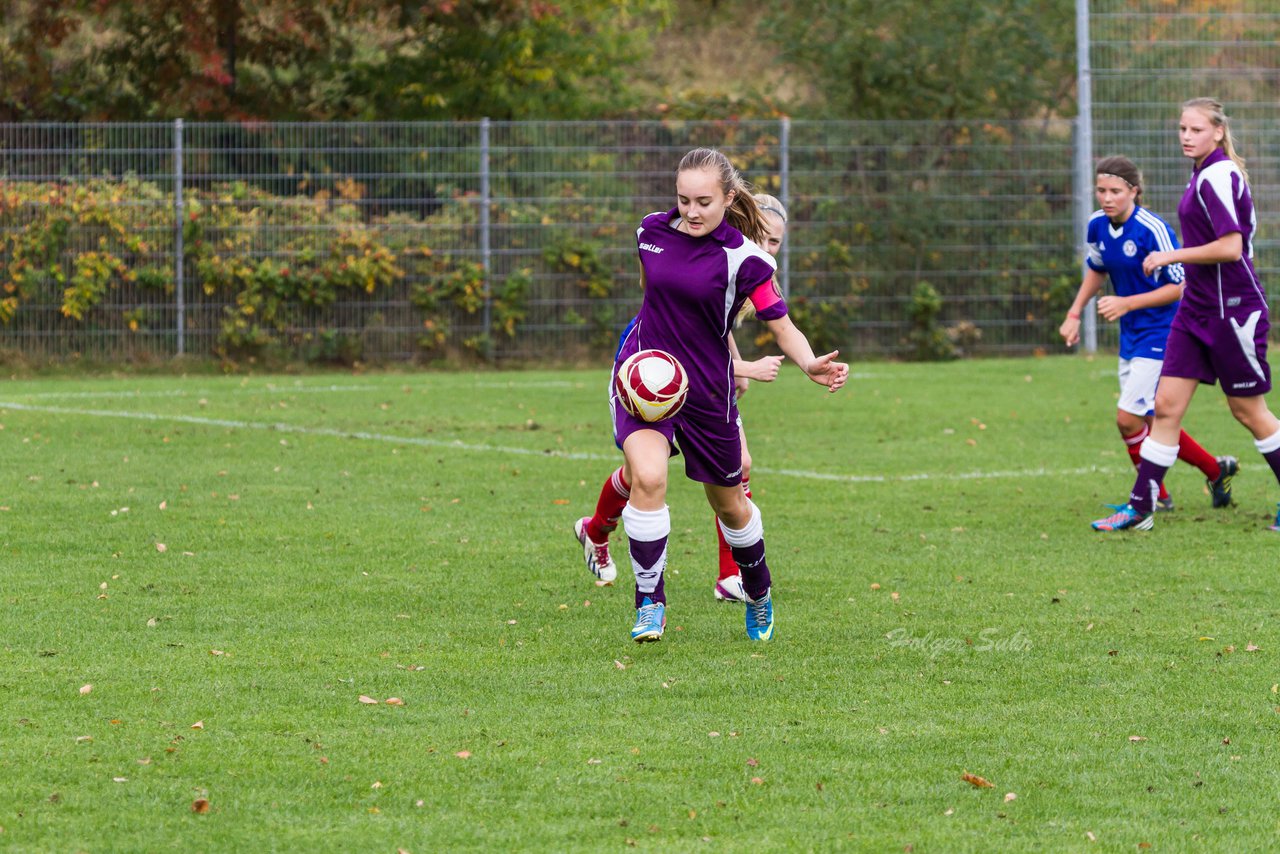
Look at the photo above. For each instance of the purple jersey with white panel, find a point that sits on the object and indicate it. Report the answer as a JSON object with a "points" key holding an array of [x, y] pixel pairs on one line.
{"points": [[1220, 331], [694, 288], [1216, 203]]}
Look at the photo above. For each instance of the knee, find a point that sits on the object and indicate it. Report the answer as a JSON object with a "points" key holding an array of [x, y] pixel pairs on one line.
{"points": [[649, 480], [1128, 424], [1252, 414], [734, 510]]}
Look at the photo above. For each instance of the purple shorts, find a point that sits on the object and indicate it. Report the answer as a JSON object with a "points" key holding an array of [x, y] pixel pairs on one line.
{"points": [[1231, 350], [712, 448]]}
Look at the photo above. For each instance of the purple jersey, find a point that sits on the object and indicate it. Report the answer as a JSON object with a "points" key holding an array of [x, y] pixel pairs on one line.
{"points": [[694, 288], [1216, 203]]}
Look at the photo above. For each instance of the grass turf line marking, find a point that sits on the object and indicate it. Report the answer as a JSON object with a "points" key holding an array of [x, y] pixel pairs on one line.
{"points": [[458, 445], [310, 389]]}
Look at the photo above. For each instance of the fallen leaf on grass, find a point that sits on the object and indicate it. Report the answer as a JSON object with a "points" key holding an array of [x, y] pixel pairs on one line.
{"points": [[753, 763], [463, 754], [85, 689], [1137, 738], [756, 781], [200, 806], [198, 725], [560, 501], [1010, 796], [368, 701], [1252, 648], [394, 701], [621, 666], [162, 548], [976, 781], [119, 779]]}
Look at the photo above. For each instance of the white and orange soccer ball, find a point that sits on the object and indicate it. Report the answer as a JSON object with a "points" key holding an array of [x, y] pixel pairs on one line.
{"points": [[651, 385]]}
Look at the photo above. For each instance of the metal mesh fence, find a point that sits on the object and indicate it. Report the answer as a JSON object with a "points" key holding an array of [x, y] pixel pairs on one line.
{"points": [[511, 242], [1148, 56]]}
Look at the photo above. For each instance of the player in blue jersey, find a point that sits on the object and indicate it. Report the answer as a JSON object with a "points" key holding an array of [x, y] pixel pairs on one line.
{"points": [[729, 582], [699, 266], [1120, 237], [1220, 330]]}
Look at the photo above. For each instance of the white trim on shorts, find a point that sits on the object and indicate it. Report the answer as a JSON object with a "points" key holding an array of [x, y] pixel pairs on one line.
{"points": [[1138, 380]]}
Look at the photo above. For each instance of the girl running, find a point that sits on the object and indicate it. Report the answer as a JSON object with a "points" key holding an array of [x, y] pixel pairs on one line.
{"points": [[593, 531], [1220, 330], [699, 265], [1121, 235]]}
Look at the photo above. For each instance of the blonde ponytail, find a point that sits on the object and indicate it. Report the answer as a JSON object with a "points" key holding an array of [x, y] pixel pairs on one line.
{"points": [[743, 212], [1214, 111]]}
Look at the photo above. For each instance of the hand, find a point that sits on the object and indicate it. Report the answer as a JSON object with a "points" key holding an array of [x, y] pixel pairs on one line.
{"points": [[1070, 331], [824, 370], [764, 369], [740, 386], [1113, 308], [1155, 261]]}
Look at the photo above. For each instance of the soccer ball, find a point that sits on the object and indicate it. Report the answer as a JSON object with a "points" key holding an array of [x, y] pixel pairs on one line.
{"points": [[651, 385]]}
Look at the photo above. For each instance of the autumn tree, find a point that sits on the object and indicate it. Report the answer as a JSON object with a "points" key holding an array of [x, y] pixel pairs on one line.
{"points": [[320, 59], [945, 59]]}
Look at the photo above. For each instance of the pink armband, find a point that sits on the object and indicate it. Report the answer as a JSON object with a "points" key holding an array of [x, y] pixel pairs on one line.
{"points": [[768, 302]]}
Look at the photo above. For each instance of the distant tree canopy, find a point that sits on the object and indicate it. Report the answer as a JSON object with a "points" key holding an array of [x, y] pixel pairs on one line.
{"points": [[934, 59], [522, 59], [320, 59]]}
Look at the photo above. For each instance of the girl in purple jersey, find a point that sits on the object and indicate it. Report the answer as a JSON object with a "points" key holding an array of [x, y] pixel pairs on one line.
{"points": [[593, 531], [699, 265], [1220, 330], [1120, 235]]}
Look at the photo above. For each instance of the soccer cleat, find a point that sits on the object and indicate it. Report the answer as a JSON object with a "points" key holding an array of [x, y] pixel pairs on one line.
{"points": [[651, 620], [760, 616], [1164, 505], [1275, 526], [1125, 518], [1220, 489], [596, 555], [730, 589]]}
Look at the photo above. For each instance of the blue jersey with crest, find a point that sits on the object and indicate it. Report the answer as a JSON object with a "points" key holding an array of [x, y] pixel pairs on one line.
{"points": [[1118, 250]]}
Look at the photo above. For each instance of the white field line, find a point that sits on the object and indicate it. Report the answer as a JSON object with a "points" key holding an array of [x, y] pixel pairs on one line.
{"points": [[311, 389], [458, 445]]}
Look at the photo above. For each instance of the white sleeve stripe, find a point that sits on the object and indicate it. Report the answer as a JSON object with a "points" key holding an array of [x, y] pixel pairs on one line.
{"points": [[1157, 228], [1160, 231], [1218, 177]]}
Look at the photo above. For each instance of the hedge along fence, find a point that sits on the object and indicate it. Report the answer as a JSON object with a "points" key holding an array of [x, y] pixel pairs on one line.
{"points": [[90, 263], [351, 242]]}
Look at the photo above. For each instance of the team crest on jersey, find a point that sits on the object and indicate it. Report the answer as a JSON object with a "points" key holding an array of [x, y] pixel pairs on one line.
{"points": [[1130, 248]]}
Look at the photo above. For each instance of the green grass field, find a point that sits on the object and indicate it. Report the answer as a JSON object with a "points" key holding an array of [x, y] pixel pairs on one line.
{"points": [[253, 555]]}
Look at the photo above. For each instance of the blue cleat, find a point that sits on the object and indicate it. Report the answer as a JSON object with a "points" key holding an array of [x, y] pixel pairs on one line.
{"points": [[1220, 489], [1275, 526], [760, 617], [651, 620], [1125, 518]]}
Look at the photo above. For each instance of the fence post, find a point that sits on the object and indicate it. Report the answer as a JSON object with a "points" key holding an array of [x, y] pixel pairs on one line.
{"points": [[178, 251], [485, 248], [1084, 160], [784, 195]]}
